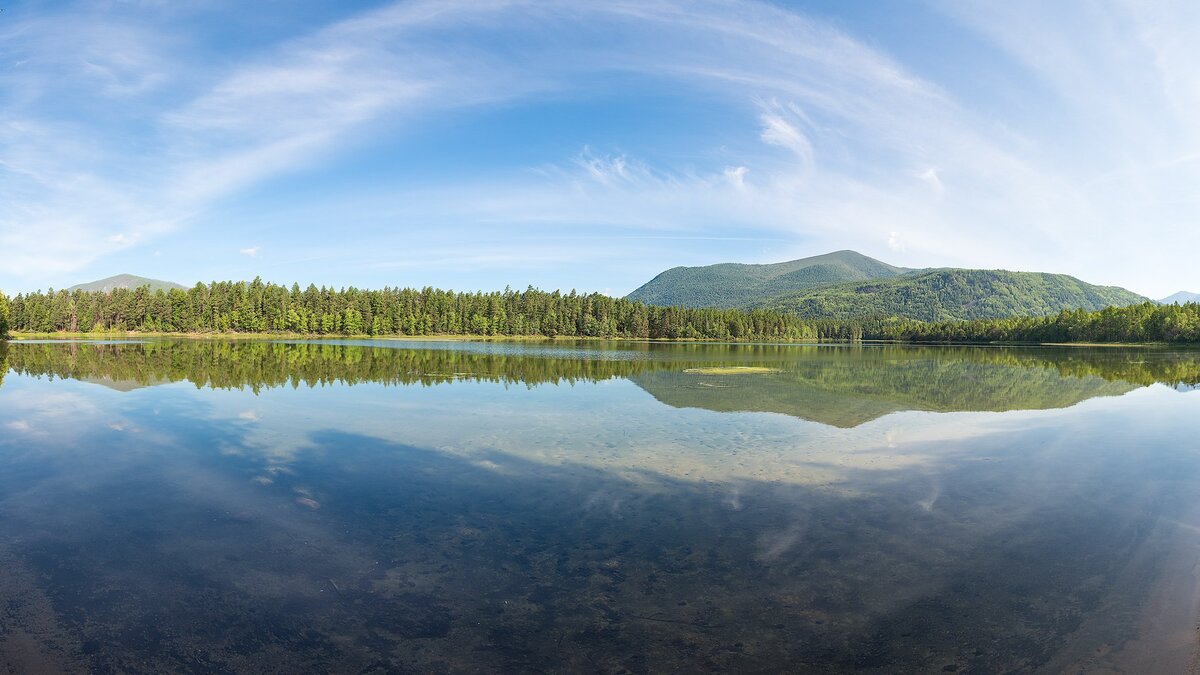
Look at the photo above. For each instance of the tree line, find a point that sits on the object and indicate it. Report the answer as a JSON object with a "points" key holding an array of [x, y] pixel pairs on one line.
{"points": [[3, 315], [258, 307], [1147, 322]]}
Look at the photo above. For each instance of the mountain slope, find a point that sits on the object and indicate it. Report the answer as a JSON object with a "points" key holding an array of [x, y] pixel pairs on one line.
{"points": [[952, 294], [126, 281], [1182, 297], [730, 285]]}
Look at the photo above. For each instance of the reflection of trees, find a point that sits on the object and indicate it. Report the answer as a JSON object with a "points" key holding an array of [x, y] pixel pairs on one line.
{"points": [[847, 386], [261, 364], [842, 385]]}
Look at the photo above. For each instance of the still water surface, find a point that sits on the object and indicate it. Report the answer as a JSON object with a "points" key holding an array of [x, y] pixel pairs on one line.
{"points": [[372, 507]]}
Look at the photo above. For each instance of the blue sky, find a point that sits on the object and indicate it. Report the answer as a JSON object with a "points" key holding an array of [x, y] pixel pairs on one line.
{"points": [[479, 144]]}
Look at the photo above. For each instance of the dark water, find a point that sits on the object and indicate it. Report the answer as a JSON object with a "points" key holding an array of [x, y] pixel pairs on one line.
{"points": [[596, 507]]}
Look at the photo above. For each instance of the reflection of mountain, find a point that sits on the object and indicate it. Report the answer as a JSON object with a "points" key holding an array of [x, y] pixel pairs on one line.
{"points": [[122, 385], [838, 385], [826, 392]]}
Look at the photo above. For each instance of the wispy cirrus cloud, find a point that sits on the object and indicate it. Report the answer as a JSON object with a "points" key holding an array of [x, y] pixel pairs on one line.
{"points": [[825, 140]]}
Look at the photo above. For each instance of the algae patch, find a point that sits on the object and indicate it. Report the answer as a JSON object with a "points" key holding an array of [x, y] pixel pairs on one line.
{"points": [[732, 370]]}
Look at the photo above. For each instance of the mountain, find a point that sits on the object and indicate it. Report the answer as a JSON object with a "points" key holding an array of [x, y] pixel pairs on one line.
{"points": [[126, 281], [952, 295], [738, 285], [1182, 297], [849, 285]]}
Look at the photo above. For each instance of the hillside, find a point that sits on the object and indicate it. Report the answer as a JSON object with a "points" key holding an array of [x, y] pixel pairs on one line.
{"points": [[1182, 297], [735, 285], [952, 294], [126, 281]]}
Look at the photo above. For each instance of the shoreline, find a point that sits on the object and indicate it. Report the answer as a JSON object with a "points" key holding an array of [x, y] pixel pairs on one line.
{"points": [[440, 337], [456, 337]]}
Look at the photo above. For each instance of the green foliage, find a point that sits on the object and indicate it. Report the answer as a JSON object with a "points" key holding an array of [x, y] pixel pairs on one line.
{"points": [[742, 286], [847, 287], [951, 295], [257, 307], [3, 315], [1146, 322], [258, 364]]}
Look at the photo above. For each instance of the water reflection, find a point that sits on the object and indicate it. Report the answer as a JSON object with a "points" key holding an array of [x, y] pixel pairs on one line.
{"points": [[836, 385], [231, 517]]}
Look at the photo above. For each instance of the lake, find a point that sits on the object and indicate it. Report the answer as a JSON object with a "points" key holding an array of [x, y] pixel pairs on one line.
{"points": [[623, 507]]}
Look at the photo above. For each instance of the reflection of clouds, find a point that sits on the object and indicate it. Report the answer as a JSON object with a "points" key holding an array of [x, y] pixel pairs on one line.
{"points": [[935, 491], [772, 545], [617, 428], [604, 501], [891, 436], [734, 499], [47, 409], [489, 465]]}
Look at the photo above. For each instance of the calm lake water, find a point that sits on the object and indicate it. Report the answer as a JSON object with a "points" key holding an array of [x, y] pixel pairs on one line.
{"points": [[372, 507]]}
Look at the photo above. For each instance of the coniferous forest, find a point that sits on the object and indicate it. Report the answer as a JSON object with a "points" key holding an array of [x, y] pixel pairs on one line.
{"points": [[258, 307], [1147, 322]]}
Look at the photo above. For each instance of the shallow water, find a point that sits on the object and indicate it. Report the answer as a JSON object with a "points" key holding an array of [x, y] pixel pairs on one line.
{"points": [[360, 506]]}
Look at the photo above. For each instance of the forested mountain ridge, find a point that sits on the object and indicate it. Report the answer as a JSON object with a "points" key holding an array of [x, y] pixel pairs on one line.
{"points": [[128, 282], [952, 295], [737, 285], [845, 285]]}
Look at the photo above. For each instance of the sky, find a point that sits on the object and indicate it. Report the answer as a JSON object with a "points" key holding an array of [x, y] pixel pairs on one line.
{"points": [[591, 145]]}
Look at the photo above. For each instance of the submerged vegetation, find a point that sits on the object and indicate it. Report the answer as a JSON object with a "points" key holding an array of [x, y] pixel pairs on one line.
{"points": [[731, 370]]}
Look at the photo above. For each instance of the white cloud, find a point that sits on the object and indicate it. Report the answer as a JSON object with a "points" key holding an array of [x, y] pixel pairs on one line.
{"points": [[251, 251], [839, 130], [930, 177], [779, 131], [737, 176]]}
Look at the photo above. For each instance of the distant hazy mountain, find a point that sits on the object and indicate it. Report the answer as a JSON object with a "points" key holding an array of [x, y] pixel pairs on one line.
{"points": [[846, 284], [1182, 297], [738, 285], [126, 281]]}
